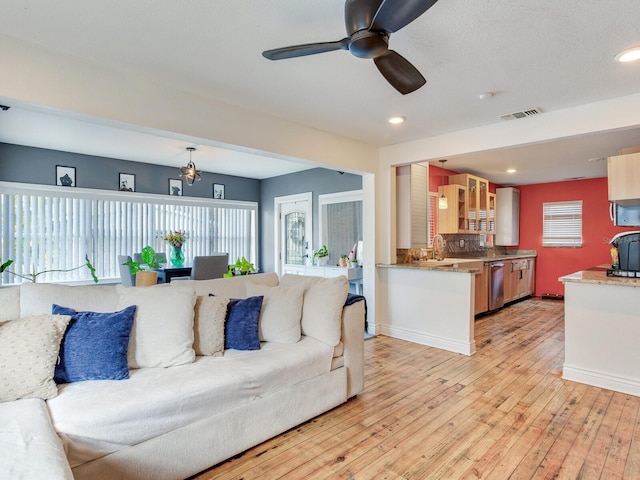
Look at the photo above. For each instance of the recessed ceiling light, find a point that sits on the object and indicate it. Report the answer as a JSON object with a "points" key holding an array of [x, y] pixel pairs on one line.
{"points": [[629, 55], [485, 95], [511, 170], [396, 119]]}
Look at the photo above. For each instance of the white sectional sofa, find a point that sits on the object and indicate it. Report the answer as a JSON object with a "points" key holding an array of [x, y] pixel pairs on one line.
{"points": [[189, 402]]}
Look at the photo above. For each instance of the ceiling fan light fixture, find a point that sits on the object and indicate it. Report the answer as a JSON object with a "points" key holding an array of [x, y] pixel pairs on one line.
{"points": [[396, 119], [629, 55], [190, 173]]}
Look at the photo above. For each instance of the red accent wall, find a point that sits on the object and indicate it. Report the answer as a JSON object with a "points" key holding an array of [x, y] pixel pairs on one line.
{"points": [[597, 229]]}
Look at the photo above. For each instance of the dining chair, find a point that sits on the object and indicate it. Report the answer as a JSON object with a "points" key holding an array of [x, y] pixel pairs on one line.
{"points": [[210, 266], [127, 279]]}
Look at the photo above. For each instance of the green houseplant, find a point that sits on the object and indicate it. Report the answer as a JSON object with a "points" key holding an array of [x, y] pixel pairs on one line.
{"points": [[34, 276], [321, 255], [144, 270], [241, 267]]}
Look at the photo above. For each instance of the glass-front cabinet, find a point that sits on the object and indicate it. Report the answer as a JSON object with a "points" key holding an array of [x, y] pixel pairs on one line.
{"points": [[480, 203]]}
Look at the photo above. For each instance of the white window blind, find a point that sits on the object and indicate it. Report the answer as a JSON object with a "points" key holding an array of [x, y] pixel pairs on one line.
{"points": [[562, 224], [46, 228], [433, 216], [340, 222]]}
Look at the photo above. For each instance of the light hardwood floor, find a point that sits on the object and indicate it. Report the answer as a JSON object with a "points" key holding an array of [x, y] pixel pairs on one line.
{"points": [[504, 413]]}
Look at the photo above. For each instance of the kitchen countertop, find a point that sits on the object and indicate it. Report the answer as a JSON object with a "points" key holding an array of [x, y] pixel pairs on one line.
{"points": [[446, 265], [599, 276]]}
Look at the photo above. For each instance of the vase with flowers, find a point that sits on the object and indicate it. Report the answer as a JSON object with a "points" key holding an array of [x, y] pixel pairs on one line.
{"points": [[175, 240]]}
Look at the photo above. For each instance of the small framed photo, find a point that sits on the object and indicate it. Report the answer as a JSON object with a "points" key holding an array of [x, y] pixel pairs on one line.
{"points": [[65, 176], [127, 182], [218, 191], [175, 187]]}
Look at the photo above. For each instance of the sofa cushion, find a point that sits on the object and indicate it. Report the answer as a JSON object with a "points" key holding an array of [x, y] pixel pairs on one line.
{"points": [[162, 334], [28, 353], [241, 327], [322, 305], [94, 346], [234, 287], [10, 301], [37, 298], [208, 325], [280, 314]]}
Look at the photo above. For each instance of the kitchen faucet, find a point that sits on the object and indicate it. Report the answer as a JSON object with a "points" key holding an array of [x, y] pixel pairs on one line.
{"points": [[437, 247]]}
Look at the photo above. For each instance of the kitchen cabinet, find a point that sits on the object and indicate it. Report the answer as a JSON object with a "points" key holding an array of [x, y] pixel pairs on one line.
{"points": [[453, 219], [508, 216], [492, 212], [482, 290], [519, 278], [478, 205], [412, 204], [623, 173]]}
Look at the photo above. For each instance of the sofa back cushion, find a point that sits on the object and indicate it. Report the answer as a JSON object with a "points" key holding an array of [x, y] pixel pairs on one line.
{"points": [[234, 287], [162, 334], [322, 305], [37, 298], [208, 325], [10, 301]]}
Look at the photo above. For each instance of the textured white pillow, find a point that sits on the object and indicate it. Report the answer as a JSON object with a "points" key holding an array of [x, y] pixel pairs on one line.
{"points": [[162, 334], [280, 314], [28, 352], [208, 325], [322, 305]]}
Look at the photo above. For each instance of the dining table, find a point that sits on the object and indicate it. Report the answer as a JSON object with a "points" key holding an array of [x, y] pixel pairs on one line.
{"points": [[168, 272]]}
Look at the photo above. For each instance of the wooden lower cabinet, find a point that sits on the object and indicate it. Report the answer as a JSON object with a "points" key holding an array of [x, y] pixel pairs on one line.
{"points": [[519, 278], [482, 290]]}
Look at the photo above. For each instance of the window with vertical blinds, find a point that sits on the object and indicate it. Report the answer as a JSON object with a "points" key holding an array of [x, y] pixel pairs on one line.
{"points": [[562, 224], [46, 228], [340, 223]]}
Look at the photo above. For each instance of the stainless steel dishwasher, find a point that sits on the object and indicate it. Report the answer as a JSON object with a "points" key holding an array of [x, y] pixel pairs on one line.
{"points": [[496, 285]]}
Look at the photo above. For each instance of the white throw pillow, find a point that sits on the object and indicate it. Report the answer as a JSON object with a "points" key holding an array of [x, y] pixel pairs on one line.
{"points": [[28, 352], [280, 314], [322, 305], [162, 334], [208, 325]]}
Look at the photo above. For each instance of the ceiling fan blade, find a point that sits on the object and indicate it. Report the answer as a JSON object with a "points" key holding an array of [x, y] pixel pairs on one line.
{"points": [[306, 49], [395, 14], [359, 14], [403, 76]]}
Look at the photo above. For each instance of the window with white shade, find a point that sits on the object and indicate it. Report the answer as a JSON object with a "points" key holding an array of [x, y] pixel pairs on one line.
{"points": [[53, 228], [433, 216], [340, 223], [562, 224]]}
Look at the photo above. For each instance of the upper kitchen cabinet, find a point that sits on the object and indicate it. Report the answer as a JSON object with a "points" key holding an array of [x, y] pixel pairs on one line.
{"points": [[412, 204], [480, 213], [623, 172], [454, 218], [508, 217]]}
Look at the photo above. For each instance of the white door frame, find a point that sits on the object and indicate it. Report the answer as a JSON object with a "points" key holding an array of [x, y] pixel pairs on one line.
{"points": [[277, 208]]}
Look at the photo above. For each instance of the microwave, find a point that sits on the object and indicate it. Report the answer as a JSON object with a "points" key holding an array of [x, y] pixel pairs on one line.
{"points": [[624, 216]]}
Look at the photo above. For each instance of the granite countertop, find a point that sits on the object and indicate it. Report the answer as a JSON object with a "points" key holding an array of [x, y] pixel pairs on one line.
{"points": [[508, 255], [598, 275], [446, 265]]}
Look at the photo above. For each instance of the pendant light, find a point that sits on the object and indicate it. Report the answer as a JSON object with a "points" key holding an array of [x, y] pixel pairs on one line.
{"points": [[190, 173], [443, 204]]}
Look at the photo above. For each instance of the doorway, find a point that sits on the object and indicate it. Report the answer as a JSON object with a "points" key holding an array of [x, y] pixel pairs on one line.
{"points": [[293, 231]]}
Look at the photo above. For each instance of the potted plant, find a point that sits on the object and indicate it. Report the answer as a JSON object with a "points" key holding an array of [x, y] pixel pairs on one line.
{"points": [[344, 261], [321, 255], [145, 270], [241, 267], [34, 276]]}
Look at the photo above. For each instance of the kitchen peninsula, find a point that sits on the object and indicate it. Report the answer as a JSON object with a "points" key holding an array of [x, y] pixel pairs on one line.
{"points": [[430, 303], [602, 328]]}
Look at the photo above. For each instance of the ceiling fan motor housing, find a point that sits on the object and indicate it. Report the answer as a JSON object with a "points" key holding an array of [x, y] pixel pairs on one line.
{"points": [[369, 44]]}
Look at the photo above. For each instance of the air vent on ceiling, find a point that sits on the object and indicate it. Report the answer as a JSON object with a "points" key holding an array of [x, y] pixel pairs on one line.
{"points": [[523, 114]]}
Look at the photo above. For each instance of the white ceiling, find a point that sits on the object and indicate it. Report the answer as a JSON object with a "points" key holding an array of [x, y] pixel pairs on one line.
{"points": [[548, 54]]}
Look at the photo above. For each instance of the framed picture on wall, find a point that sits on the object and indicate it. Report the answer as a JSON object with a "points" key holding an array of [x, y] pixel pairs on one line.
{"points": [[65, 176], [175, 187], [218, 191], [127, 182]]}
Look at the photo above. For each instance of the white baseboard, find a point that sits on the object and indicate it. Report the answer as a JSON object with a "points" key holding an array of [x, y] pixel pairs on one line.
{"points": [[600, 379], [448, 344]]}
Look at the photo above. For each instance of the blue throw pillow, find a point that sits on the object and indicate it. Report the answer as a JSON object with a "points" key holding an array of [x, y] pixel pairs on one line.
{"points": [[94, 346], [241, 327]]}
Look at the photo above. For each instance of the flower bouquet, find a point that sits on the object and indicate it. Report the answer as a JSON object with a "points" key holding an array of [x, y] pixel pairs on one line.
{"points": [[176, 239]]}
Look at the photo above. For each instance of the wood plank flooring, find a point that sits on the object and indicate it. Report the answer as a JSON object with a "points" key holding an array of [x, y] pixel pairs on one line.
{"points": [[504, 413]]}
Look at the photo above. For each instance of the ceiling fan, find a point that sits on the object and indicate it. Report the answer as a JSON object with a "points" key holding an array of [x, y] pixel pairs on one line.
{"points": [[369, 24]]}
